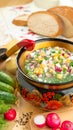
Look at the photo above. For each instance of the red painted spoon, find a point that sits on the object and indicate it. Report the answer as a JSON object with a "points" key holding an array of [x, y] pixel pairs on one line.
{"points": [[26, 43]]}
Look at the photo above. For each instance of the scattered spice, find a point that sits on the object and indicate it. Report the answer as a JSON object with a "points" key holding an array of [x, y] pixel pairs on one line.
{"points": [[24, 118]]}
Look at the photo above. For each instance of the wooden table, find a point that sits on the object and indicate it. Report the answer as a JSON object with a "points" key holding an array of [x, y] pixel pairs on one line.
{"points": [[5, 3]]}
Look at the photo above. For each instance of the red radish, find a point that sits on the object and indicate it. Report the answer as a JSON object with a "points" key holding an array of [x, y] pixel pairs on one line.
{"points": [[56, 128], [53, 120], [10, 114], [58, 69], [67, 125], [40, 121]]}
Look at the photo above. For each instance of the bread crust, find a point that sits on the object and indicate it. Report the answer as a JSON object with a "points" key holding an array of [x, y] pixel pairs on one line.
{"points": [[66, 11], [20, 20], [56, 17], [66, 14]]}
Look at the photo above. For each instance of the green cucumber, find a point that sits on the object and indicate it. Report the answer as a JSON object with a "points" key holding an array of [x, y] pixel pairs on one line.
{"points": [[8, 97], [6, 87], [4, 77], [4, 107]]}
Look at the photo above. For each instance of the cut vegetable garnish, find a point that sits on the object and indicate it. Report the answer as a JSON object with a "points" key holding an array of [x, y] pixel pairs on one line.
{"points": [[40, 121], [49, 65]]}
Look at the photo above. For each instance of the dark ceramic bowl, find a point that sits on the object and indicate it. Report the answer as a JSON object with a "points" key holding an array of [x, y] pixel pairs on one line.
{"points": [[42, 43], [46, 96]]}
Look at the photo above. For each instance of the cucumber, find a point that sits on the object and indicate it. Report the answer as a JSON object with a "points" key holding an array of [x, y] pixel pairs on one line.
{"points": [[4, 77], [4, 107], [8, 97], [6, 87]]}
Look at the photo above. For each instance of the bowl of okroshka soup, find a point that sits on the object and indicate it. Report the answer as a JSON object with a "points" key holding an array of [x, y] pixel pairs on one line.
{"points": [[45, 74]]}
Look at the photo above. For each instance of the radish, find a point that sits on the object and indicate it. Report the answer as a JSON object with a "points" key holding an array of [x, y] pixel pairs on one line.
{"points": [[10, 114], [67, 125], [40, 121], [53, 120], [56, 128]]}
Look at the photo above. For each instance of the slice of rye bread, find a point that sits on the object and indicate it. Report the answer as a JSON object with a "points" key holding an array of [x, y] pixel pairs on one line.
{"points": [[21, 20], [45, 23], [66, 14]]}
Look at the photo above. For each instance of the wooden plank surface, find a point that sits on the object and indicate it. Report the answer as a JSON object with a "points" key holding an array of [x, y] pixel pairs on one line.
{"points": [[65, 114]]}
